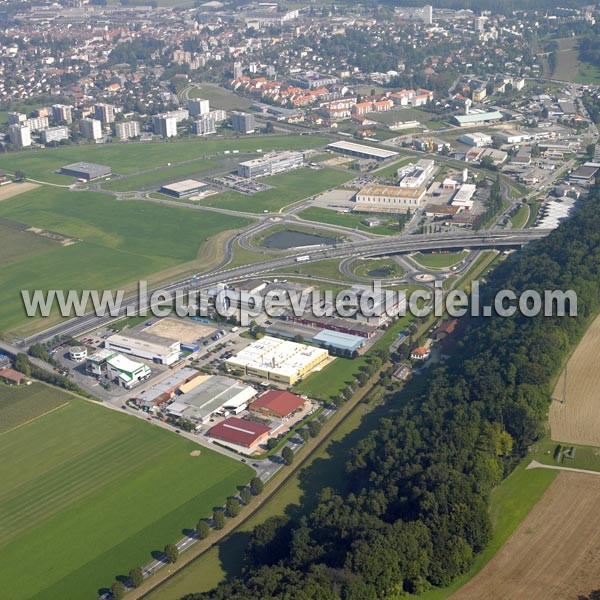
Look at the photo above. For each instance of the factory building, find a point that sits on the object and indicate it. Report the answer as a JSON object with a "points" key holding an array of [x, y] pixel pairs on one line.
{"points": [[278, 404], [478, 118], [361, 150], [389, 199], [463, 197], [477, 140], [416, 175], [337, 341], [278, 360], [184, 189], [84, 170], [240, 432], [270, 164], [152, 347]]}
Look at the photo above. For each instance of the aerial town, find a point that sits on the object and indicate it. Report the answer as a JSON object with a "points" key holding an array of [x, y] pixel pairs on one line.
{"points": [[385, 154]]}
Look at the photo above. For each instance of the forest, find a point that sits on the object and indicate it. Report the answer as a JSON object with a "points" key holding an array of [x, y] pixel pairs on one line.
{"points": [[413, 514]]}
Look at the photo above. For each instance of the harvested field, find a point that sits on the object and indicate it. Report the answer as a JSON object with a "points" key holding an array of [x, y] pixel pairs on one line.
{"points": [[14, 189], [184, 330], [555, 552], [577, 421]]}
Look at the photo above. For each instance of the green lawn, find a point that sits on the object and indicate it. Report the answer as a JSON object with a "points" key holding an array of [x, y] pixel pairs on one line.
{"points": [[18, 243], [364, 268], [287, 188], [390, 170], [520, 218], [220, 97], [122, 241], [89, 493], [440, 260], [587, 74], [126, 158], [349, 220]]}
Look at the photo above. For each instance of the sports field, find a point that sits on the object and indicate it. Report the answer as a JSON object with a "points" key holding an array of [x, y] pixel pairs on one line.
{"points": [[89, 493], [121, 242], [128, 158], [575, 408], [553, 555]]}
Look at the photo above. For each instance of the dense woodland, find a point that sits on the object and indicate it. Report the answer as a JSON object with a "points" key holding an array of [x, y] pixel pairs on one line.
{"points": [[415, 511]]}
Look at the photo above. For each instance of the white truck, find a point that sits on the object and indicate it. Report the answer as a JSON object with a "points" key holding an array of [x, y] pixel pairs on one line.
{"points": [[304, 258]]}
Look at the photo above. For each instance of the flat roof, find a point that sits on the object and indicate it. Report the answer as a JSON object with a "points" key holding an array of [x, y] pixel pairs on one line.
{"points": [[122, 363], [140, 340], [273, 157], [391, 191], [339, 339], [476, 117], [186, 185], [352, 147], [87, 167], [238, 431]]}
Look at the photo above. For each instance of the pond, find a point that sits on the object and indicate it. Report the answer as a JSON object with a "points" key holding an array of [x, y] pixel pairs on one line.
{"points": [[290, 238]]}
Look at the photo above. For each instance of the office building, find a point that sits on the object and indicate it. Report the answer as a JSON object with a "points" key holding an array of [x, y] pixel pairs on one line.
{"points": [[62, 113], [152, 347], [270, 164], [243, 122], [91, 129], [20, 135], [198, 106], [55, 134], [105, 113], [127, 129]]}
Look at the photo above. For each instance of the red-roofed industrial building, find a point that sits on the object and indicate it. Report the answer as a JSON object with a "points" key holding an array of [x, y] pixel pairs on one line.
{"points": [[240, 432], [277, 403]]}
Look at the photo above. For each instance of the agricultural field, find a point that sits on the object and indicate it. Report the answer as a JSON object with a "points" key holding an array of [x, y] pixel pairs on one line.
{"points": [[115, 489], [577, 420], [553, 555], [287, 188], [120, 242], [127, 158], [440, 260]]}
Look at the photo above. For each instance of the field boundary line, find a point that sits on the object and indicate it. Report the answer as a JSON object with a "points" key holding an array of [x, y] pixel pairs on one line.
{"points": [[534, 464], [34, 418]]}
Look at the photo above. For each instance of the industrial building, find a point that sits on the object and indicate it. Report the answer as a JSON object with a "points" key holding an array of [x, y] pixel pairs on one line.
{"points": [[335, 340], [361, 150], [463, 197], [478, 118], [164, 390], [477, 140], [85, 170], [185, 188], [243, 122], [127, 129], [416, 175], [55, 134], [278, 404], [271, 164], [127, 372], [240, 432], [389, 199], [278, 360], [210, 395], [152, 347]]}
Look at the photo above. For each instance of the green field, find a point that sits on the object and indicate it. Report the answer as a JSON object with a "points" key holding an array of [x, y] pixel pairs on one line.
{"points": [[363, 268], [520, 218], [18, 243], [129, 158], [440, 260], [121, 241], [349, 220], [287, 188], [89, 493], [220, 97], [390, 170]]}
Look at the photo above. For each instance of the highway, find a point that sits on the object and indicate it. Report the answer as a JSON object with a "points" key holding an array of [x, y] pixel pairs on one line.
{"points": [[366, 248]]}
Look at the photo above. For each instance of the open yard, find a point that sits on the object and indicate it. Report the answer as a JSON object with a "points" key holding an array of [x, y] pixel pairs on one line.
{"points": [[577, 420], [121, 241], [553, 555], [89, 493]]}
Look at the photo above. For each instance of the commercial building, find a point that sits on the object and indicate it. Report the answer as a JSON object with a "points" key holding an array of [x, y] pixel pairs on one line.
{"points": [[145, 345], [62, 113], [585, 173], [20, 135], [278, 360], [184, 189], [165, 125], [478, 118], [198, 106], [96, 363], [105, 113], [205, 125], [91, 129], [278, 403], [416, 175], [55, 134], [240, 432], [389, 199], [78, 353], [125, 371], [243, 122], [127, 129], [463, 197], [211, 395], [85, 170], [361, 150], [338, 341], [164, 390], [270, 164], [478, 140]]}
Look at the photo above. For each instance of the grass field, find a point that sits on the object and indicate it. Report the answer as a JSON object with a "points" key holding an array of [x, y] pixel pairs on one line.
{"points": [[219, 97], [362, 268], [521, 217], [89, 493], [122, 241], [567, 59], [349, 220], [440, 260], [129, 158], [18, 244], [287, 188], [390, 170]]}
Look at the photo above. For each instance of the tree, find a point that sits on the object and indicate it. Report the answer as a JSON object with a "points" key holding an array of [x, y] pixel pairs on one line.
{"points": [[136, 577], [20, 175], [172, 553], [305, 435], [245, 495], [256, 486], [288, 455], [233, 507], [117, 589], [269, 127], [314, 428], [22, 364], [219, 519], [202, 529]]}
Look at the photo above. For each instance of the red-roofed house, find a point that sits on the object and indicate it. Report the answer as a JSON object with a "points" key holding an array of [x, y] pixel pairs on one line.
{"points": [[277, 403], [240, 432], [11, 376], [420, 353]]}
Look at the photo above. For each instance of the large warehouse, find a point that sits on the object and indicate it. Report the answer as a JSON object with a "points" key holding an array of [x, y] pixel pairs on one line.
{"points": [[145, 345], [240, 432], [85, 170], [389, 199], [361, 150], [209, 395], [185, 188], [338, 341], [278, 360], [270, 164]]}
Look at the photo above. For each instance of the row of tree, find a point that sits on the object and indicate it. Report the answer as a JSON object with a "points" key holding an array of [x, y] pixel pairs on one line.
{"points": [[413, 514]]}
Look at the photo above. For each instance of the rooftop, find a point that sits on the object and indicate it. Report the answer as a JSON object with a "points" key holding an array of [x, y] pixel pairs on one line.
{"points": [[239, 431], [278, 402], [186, 185], [352, 147]]}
